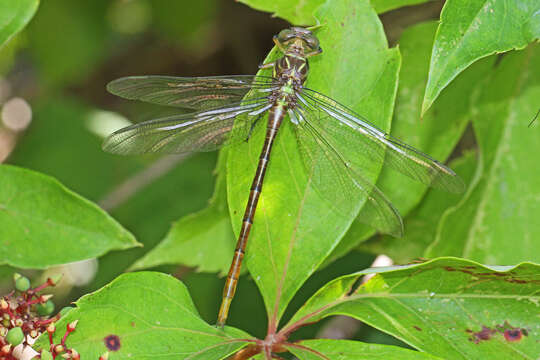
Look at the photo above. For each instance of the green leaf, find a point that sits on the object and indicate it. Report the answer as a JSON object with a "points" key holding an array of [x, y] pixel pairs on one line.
{"points": [[382, 6], [437, 133], [448, 307], [299, 12], [351, 350], [294, 228], [497, 221], [421, 223], [472, 29], [152, 315], [14, 15], [42, 223], [203, 240]]}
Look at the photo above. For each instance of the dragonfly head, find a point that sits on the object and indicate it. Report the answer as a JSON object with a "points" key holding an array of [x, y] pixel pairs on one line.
{"points": [[297, 40]]}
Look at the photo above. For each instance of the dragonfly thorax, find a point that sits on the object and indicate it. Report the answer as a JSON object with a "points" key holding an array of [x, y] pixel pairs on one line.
{"points": [[291, 68]]}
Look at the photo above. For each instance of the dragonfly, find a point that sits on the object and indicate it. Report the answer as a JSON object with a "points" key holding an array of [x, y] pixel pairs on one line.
{"points": [[225, 111]]}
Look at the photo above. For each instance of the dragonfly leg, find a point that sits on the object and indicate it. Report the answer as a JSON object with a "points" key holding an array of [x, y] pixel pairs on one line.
{"points": [[314, 52], [267, 65], [279, 44]]}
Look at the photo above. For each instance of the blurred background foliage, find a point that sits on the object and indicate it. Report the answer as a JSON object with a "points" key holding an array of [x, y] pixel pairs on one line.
{"points": [[59, 65]]}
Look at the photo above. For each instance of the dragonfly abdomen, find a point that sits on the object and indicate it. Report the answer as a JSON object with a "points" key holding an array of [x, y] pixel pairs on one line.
{"points": [[275, 118]]}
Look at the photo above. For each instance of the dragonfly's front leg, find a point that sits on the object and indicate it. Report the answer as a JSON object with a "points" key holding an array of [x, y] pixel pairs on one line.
{"points": [[314, 52], [280, 47], [279, 44], [267, 65]]}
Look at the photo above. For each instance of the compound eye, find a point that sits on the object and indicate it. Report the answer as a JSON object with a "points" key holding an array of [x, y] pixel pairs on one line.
{"points": [[285, 35], [313, 42]]}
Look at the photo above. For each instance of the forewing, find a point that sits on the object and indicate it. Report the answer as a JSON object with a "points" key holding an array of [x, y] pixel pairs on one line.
{"points": [[340, 182], [198, 131], [196, 93], [339, 122]]}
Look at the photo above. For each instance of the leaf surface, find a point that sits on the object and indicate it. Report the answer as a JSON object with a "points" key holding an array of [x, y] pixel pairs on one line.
{"points": [[448, 307], [326, 349], [297, 12], [382, 6], [421, 223], [472, 29], [436, 134], [151, 315], [497, 221], [294, 228], [14, 15], [301, 12], [42, 223]]}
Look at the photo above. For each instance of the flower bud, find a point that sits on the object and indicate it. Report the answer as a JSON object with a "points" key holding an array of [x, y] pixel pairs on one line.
{"points": [[72, 325], [44, 298], [51, 328], [21, 282], [55, 279], [45, 309], [4, 305], [15, 336], [6, 349]]}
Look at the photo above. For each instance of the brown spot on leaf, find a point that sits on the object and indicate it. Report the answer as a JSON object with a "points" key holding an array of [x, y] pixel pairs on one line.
{"points": [[112, 342], [516, 281], [511, 333], [417, 328], [510, 277], [483, 335]]}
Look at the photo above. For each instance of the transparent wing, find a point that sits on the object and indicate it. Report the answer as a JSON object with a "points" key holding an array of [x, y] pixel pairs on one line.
{"points": [[340, 182], [197, 93], [336, 121], [199, 131]]}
